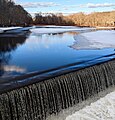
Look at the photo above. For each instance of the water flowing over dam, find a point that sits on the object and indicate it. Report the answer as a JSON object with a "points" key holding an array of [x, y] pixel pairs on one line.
{"points": [[49, 96]]}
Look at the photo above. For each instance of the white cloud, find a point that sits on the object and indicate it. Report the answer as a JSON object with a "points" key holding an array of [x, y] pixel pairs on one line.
{"points": [[92, 5], [65, 8], [38, 4]]}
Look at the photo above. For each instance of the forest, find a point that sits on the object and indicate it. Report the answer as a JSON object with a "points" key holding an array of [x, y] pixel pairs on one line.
{"points": [[52, 19], [93, 19], [13, 15], [79, 19]]}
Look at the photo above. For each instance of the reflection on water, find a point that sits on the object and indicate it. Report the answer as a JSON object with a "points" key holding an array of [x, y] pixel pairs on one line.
{"points": [[41, 52], [7, 46]]}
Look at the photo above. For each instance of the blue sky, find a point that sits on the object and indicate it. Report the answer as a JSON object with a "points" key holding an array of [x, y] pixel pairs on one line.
{"points": [[67, 6]]}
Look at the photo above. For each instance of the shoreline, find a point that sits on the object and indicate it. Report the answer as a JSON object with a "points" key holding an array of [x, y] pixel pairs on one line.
{"points": [[103, 28], [97, 27]]}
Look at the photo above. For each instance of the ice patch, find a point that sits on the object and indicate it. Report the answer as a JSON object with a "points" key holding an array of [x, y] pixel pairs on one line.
{"points": [[103, 109], [95, 40], [2, 29], [9, 28], [58, 30]]}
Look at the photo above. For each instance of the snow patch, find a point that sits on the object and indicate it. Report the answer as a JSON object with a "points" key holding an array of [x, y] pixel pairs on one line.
{"points": [[9, 28], [2, 29], [103, 109], [95, 40]]}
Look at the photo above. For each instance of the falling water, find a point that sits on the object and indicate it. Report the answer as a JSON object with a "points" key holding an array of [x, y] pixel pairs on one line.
{"points": [[40, 100]]}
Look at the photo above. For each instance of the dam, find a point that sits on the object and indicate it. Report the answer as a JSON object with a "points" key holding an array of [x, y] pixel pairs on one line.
{"points": [[29, 92]]}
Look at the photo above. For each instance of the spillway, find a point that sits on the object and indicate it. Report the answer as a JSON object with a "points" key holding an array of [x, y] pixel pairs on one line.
{"points": [[40, 98]]}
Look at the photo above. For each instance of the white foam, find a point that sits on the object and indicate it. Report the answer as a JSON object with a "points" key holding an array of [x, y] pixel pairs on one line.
{"points": [[103, 109], [95, 40], [57, 30]]}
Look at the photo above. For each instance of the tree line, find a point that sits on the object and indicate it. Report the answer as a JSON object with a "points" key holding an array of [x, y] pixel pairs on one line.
{"points": [[93, 19], [78, 19], [51, 19], [13, 15]]}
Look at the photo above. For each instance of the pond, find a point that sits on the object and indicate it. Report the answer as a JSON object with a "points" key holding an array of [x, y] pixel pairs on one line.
{"points": [[21, 54]]}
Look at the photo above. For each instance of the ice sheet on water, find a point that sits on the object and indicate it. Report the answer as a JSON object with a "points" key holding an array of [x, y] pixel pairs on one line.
{"points": [[103, 109], [57, 29], [95, 40], [2, 29]]}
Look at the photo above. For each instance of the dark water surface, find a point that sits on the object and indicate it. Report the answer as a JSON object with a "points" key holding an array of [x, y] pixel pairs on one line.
{"points": [[30, 52]]}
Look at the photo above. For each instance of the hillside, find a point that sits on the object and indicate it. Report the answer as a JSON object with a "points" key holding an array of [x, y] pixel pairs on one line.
{"points": [[13, 15]]}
